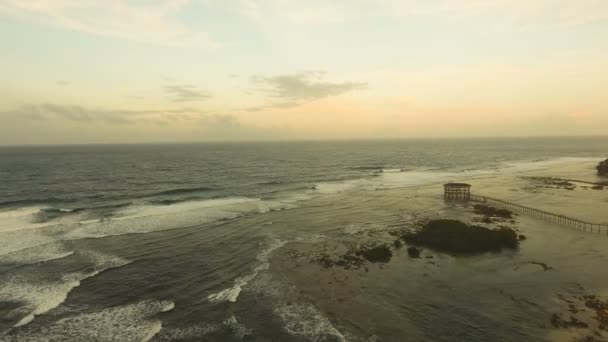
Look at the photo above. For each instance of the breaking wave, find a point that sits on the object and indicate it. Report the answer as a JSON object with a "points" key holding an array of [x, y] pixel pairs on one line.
{"points": [[232, 293], [134, 322], [40, 296]]}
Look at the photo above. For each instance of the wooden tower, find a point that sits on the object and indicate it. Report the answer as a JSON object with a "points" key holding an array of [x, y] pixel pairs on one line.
{"points": [[457, 191]]}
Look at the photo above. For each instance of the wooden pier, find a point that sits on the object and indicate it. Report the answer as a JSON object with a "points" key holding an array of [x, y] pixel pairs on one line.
{"points": [[545, 215]]}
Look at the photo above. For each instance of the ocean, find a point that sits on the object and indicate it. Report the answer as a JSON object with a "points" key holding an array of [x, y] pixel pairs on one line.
{"points": [[216, 241]]}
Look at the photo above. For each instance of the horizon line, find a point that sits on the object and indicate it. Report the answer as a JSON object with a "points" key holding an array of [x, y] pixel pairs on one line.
{"points": [[298, 140]]}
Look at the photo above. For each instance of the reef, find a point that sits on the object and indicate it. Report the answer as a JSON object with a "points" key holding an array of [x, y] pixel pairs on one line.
{"points": [[413, 252], [488, 211], [458, 238], [586, 314], [552, 183], [379, 253], [567, 184], [602, 168], [354, 258], [492, 215], [558, 322]]}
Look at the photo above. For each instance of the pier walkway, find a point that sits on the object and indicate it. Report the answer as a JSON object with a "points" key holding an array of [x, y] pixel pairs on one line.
{"points": [[561, 219]]}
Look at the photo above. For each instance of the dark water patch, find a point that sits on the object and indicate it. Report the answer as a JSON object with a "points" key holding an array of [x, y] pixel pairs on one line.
{"points": [[272, 182], [180, 191], [372, 168], [49, 214], [95, 201], [184, 266], [60, 211], [174, 200], [290, 190], [110, 206], [34, 201], [8, 319]]}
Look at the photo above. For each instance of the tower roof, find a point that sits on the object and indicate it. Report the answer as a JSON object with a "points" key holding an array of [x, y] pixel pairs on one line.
{"points": [[457, 185]]}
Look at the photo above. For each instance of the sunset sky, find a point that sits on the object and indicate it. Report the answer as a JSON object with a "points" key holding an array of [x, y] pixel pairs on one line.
{"points": [[85, 71]]}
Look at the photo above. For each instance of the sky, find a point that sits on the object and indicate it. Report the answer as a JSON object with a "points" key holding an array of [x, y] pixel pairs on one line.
{"points": [[129, 71]]}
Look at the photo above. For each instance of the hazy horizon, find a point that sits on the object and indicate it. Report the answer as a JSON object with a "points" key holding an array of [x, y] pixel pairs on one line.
{"points": [[313, 140], [174, 71]]}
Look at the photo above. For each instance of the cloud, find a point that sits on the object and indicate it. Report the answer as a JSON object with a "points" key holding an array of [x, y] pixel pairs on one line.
{"points": [[84, 115], [70, 124], [292, 89], [222, 120], [148, 22], [511, 15], [272, 105], [185, 93], [63, 83], [49, 111]]}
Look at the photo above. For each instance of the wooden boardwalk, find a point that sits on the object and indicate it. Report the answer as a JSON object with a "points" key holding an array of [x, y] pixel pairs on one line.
{"points": [[545, 215]]}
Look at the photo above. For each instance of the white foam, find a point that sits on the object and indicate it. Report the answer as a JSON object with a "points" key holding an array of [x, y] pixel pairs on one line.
{"points": [[168, 307], [300, 318], [355, 228], [397, 179], [237, 328], [304, 320], [40, 297], [231, 294], [414, 178], [391, 170], [337, 187], [26, 218], [155, 210], [19, 212], [144, 219], [18, 218], [153, 330], [42, 253], [139, 219], [523, 166], [123, 323]]}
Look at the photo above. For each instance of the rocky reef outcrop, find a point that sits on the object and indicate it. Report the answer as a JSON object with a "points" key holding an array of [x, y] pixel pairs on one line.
{"points": [[456, 237], [602, 168]]}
